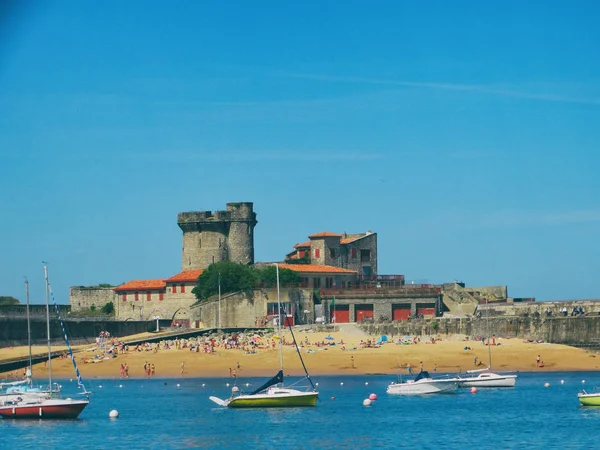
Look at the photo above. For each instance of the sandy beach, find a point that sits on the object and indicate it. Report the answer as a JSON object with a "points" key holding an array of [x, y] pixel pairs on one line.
{"points": [[445, 355]]}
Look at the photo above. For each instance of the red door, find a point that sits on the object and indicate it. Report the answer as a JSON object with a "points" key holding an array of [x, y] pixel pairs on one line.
{"points": [[426, 311], [400, 312], [340, 315], [363, 312]]}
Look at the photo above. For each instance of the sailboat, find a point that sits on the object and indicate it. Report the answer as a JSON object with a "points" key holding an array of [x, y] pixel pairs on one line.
{"points": [[48, 407], [23, 389], [485, 377], [273, 394]]}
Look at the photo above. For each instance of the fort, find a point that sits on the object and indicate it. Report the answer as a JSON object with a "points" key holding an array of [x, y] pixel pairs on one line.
{"points": [[339, 283]]}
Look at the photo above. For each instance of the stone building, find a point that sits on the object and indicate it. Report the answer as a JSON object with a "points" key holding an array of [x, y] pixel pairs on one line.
{"points": [[169, 298], [356, 252], [220, 236]]}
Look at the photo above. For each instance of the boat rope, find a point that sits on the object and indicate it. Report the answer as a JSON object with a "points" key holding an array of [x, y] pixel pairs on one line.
{"points": [[62, 325], [298, 351]]}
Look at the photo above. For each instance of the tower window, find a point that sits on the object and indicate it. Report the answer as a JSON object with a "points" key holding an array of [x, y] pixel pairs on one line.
{"points": [[148, 296], [317, 252], [161, 296], [174, 289], [136, 296], [183, 289]]}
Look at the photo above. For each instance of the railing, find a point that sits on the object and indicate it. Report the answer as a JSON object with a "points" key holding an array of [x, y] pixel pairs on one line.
{"points": [[361, 290]]}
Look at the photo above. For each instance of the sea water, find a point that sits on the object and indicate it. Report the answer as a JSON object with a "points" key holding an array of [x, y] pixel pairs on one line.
{"points": [[176, 413]]}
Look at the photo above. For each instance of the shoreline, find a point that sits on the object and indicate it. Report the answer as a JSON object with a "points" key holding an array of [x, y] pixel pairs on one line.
{"points": [[337, 354]]}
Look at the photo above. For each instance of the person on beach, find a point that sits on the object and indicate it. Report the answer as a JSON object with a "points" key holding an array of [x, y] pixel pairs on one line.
{"points": [[352, 361], [152, 370], [182, 367]]}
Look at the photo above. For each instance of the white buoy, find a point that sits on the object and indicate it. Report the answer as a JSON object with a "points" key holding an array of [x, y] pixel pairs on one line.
{"points": [[316, 384], [203, 384], [227, 385], [113, 414], [342, 383], [366, 402], [100, 387], [71, 380], [247, 384], [546, 384], [120, 385], [235, 389], [562, 381], [583, 381], [178, 385], [366, 383]]}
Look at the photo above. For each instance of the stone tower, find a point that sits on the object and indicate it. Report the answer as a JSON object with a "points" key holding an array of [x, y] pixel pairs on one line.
{"points": [[220, 236]]}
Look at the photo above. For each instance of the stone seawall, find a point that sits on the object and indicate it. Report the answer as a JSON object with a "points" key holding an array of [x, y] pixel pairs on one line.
{"points": [[13, 332], [576, 331]]}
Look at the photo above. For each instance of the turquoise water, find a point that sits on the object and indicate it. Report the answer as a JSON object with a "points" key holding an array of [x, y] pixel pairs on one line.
{"points": [[158, 415]]}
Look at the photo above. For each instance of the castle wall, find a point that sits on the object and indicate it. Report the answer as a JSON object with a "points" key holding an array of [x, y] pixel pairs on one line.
{"points": [[490, 292], [242, 309], [82, 298]]}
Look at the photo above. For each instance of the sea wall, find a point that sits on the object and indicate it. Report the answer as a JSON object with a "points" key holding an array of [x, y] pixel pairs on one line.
{"points": [[577, 331], [13, 331]]}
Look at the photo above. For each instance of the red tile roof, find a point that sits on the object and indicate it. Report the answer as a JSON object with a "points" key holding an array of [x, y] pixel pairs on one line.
{"points": [[186, 275], [347, 240], [142, 285], [294, 256], [313, 268], [324, 234], [304, 244]]}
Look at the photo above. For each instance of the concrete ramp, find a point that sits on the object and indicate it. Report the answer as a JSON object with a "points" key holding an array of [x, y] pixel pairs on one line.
{"points": [[458, 300], [351, 329]]}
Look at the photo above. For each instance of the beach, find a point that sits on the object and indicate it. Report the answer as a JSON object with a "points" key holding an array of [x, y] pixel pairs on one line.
{"points": [[342, 354]]}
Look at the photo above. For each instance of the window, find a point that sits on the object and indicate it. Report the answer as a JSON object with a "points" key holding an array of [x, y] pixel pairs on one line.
{"points": [[317, 252], [124, 296], [302, 253], [316, 282], [354, 252], [182, 289], [332, 252], [148, 296], [174, 289], [136, 296], [161, 296], [365, 255]]}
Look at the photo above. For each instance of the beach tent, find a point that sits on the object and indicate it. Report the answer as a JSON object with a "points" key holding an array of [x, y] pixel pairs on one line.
{"points": [[382, 339], [329, 338]]}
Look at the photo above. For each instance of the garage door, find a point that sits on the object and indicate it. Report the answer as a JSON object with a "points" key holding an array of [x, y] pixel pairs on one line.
{"points": [[363, 312], [400, 312]]}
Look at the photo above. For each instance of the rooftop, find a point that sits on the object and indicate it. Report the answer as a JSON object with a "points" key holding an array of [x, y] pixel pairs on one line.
{"points": [[313, 268], [186, 275], [142, 285]]}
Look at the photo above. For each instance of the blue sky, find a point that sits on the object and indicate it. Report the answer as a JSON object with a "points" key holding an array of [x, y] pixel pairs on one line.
{"points": [[465, 134]]}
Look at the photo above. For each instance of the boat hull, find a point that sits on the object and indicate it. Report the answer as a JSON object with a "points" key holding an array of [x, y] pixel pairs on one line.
{"points": [[274, 401], [423, 387], [589, 399], [45, 410]]}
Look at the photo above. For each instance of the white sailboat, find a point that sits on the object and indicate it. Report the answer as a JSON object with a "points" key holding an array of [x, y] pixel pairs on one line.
{"points": [[273, 394], [486, 377], [47, 406]]}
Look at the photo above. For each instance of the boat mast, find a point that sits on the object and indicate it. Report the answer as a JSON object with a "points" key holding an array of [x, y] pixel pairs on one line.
{"points": [[48, 326], [279, 320], [487, 303], [30, 368]]}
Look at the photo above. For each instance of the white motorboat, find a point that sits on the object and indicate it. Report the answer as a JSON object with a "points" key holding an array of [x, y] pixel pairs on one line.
{"points": [[487, 378], [423, 384]]}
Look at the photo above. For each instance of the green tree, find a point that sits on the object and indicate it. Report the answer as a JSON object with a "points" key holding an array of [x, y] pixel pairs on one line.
{"points": [[268, 275], [109, 308], [233, 277], [7, 301], [93, 308]]}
